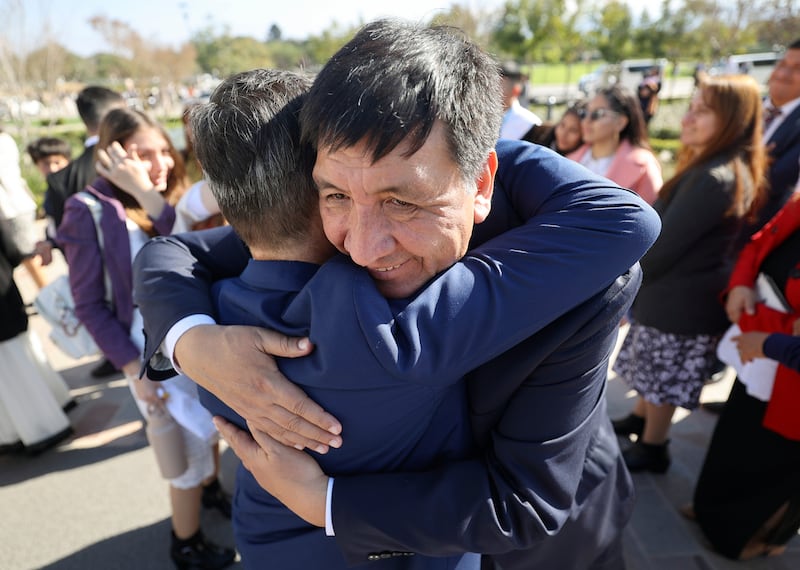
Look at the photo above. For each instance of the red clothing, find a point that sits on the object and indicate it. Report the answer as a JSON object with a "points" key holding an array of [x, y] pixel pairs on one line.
{"points": [[782, 410]]}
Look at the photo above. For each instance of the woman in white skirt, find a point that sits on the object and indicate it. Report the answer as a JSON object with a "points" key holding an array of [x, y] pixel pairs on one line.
{"points": [[31, 416]]}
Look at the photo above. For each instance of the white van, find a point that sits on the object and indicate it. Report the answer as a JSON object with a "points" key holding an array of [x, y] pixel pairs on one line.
{"points": [[757, 65], [628, 72]]}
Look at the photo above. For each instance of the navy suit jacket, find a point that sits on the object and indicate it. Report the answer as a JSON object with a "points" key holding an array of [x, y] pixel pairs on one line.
{"points": [[585, 233], [784, 170]]}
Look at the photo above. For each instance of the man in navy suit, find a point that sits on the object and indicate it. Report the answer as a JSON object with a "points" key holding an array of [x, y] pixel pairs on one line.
{"points": [[395, 148], [782, 131], [401, 406]]}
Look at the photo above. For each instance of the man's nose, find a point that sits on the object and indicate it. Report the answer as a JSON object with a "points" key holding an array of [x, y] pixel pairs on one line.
{"points": [[368, 237]]}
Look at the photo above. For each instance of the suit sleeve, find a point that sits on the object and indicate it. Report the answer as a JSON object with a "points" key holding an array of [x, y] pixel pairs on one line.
{"points": [[784, 170], [549, 386], [172, 277], [573, 220], [548, 460], [784, 348]]}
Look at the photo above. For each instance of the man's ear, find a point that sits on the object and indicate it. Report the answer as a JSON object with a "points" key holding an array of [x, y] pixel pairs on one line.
{"points": [[485, 188]]}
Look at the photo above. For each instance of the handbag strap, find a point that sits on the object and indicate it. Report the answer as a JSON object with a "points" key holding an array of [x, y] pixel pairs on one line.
{"points": [[96, 208]]}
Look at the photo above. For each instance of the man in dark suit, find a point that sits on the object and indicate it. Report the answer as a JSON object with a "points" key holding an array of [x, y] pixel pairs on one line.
{"points": [[93, 103], [403, 406], [547, 486], [782, 131]]}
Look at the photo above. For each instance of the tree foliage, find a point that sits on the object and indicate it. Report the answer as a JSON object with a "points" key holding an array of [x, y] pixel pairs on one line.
{"points": [[529, 31]]}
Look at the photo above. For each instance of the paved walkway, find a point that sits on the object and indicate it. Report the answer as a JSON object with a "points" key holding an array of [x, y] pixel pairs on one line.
{"points": [[97, 501]]}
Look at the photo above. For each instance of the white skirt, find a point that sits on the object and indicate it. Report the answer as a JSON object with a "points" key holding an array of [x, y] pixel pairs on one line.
{"points": [[29, 410]]}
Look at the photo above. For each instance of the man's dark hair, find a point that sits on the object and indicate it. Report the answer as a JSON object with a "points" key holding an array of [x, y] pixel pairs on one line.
{"points": [[247, 140], [94, 101], [794, 45], [393, 80], [45, 147]]}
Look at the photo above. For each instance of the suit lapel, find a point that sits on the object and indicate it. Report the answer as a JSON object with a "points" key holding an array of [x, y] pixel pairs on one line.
{"points": [[787, 134]]}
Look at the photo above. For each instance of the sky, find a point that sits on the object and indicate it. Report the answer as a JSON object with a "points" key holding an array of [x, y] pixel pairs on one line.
{"points": [[173, 22]]}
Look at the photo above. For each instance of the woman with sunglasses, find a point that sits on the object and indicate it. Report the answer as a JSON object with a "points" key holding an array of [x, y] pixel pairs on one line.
{"points": [[677, 318], [615, 142]]}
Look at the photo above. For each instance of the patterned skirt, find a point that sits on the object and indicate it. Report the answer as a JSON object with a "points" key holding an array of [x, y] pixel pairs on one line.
{"points": [[666, 368]]}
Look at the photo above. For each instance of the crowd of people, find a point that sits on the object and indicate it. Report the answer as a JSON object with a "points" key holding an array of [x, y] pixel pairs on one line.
{"points": [[367, 220]]}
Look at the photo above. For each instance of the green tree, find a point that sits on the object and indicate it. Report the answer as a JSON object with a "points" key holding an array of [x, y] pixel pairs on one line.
{"points": [[779, 24], [319, 49], [222, 55], [528, 28], [275, 34], [612, 32]]}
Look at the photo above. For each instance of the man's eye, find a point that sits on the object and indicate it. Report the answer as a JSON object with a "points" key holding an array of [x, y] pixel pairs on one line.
{"points": [[335, 197], [401, 203]]}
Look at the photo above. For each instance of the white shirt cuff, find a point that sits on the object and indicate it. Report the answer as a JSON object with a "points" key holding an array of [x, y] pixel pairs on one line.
{"points": [[177, 330], [328, 514]]}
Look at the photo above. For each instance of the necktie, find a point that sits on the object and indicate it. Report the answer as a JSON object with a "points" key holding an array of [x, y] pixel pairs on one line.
{"points": [[770, 114]]}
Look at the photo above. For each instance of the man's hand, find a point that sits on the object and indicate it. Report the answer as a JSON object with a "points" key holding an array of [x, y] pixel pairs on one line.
{"points": [[750, 345], [740, 298], [234, 364], [291, 476]]}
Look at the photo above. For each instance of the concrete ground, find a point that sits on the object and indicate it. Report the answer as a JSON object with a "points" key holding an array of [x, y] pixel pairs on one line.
{"points": [[97, 501]]}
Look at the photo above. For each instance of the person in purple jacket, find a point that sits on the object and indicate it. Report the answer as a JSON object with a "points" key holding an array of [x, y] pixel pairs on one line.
{"points": [[102, 229]]}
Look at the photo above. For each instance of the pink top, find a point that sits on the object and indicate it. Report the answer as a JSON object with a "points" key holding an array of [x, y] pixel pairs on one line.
{"points": [[633, 167]]}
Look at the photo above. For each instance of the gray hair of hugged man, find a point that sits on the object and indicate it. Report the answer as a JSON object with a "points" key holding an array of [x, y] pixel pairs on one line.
{"points": [[390, 84], [247, 139]]}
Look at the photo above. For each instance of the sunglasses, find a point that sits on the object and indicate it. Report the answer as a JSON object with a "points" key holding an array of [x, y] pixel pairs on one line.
{"points": [[597, 114]]}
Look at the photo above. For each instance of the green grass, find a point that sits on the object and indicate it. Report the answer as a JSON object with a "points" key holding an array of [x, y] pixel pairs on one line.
{"points": [[559, 72]]}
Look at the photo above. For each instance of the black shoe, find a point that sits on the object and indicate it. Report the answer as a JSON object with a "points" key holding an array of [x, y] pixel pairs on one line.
{"points": [[9, 448], [48, 443], [70, 405], [647, 457], [717, 373], [104, 369], [713, 407], [197, 553], [629, 425], [215, 498]]}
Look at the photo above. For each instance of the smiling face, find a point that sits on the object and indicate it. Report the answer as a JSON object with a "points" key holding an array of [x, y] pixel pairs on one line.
{"points": [[784, 82], [699, 125], [568, 133], [602, 125], [53, 163], [154, 150], [403, 218]]}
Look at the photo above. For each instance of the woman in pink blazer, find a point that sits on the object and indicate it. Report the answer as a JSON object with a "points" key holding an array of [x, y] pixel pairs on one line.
{"points": [[615, 137]]}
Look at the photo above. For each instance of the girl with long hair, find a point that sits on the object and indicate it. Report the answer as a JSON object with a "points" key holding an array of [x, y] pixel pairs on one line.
{"points": [[102, 229]]}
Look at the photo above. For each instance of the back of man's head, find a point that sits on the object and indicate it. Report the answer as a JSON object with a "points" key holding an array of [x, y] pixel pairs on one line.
{"points": [[247, 140], [393, 80], [93, 102]]}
